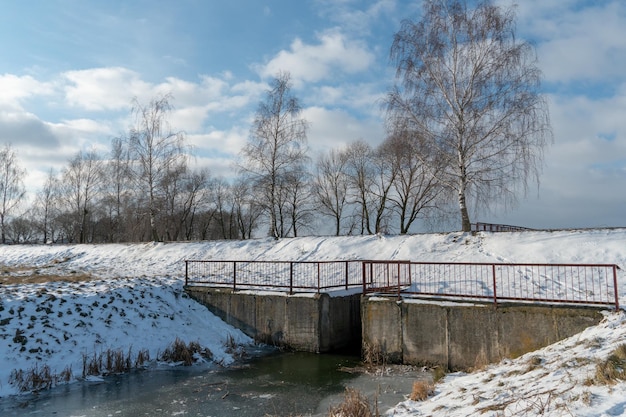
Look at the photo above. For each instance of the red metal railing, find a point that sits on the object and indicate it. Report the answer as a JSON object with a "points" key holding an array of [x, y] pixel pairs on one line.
{"points": [[275, 275], [590, 284]]}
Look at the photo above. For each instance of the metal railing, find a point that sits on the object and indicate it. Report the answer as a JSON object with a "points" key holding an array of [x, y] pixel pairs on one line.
{"points": [[589, 284], [491, 227], [288, 276]]}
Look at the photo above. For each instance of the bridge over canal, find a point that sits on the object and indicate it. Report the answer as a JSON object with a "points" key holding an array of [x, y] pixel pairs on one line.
{"points": [[457, 315]]}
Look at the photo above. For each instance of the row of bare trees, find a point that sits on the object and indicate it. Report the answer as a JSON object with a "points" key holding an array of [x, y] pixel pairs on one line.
{"points": [[466, 123], [144, 189]]}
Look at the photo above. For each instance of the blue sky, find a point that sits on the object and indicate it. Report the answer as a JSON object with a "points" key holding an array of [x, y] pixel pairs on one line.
{"points": [[70, 68]]}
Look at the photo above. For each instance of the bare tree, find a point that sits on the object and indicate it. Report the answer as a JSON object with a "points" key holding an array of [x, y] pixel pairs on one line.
{"points": [[224, 204], [415, 188], [384, 175], [173, 186], [361, 176], [195, 197], [155, 150], [331, 186], [276, 147], [45, 208], [117, 191], [247, 207], [80, 183], [11, 186], [298, 201], [470, 88]]}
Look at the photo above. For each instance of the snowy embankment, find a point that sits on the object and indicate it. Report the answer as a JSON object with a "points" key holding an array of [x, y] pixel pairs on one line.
{"points": [[129, 297]]}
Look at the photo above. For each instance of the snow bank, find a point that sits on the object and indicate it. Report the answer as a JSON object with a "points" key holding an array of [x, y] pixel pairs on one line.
{"points": [[135, 300]]}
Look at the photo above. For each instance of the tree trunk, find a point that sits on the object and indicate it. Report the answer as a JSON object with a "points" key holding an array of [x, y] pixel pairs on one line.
{"points": [[465, 220]]}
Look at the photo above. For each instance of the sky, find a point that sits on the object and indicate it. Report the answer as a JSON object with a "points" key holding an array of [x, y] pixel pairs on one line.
{"points": [[69, 70]]}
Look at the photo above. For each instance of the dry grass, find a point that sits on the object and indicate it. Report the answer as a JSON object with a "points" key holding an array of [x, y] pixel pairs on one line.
{"points": [[179, 351], [30, 275], [612, 369], [36, 378], [113, 362], [373, 355], [421, 390], [354, 404]]}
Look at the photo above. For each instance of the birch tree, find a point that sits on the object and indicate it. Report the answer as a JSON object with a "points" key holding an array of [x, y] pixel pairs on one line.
{"points": [[275, 150], [472, 89], [11, 186], [155, 151]]}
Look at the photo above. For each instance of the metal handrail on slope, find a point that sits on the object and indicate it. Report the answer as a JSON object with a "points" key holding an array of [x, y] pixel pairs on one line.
{"points": [[585, 284]]}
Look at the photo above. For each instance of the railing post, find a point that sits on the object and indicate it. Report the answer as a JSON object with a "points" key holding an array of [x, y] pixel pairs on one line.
{"points": [[615, 287], [363, 276], [234, 275], [347, 277], [398, 280], [319, 284], [290, 278], [495, 291], [186, 273]]}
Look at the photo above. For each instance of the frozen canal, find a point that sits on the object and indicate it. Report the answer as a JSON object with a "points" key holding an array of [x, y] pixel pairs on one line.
{"points": [[280, 384]]}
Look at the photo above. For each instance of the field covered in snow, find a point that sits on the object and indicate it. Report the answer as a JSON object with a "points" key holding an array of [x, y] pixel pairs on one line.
{"points": [[129, 298]]}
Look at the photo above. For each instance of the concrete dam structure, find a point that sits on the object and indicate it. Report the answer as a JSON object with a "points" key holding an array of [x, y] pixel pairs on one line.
{"points": [[392, 310], [459, 336], [456, 336], [307, 322]]}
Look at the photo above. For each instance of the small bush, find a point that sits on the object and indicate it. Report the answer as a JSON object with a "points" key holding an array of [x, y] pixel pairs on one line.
{"points": [[421, 390], [354, 404]]}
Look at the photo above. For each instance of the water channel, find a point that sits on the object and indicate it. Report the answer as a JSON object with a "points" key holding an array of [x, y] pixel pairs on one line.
{"points": [[279, 384]]}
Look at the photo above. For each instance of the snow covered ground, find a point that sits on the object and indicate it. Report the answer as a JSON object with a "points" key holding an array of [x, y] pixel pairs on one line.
{"points": [[131, 298]]}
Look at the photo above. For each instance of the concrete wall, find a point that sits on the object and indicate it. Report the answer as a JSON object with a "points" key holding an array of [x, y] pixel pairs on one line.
{"points": [[309, 322], [461, 336]]}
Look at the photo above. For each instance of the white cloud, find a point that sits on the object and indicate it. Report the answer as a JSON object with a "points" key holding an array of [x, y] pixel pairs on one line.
{"points": [[220, 143], [575, 41], [367, 98], [15, 88], [108, 88], [336, 129], [333, 55]]}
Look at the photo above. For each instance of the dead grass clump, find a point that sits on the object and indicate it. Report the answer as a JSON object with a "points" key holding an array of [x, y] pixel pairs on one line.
{"points": [[354, 404], [613, 368], [92, 365], [233, 348], [373, 355], [439, 373], [179, 351], [33, 379], [421, 390], [113, 362], [116, 362], [142, 358]]}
